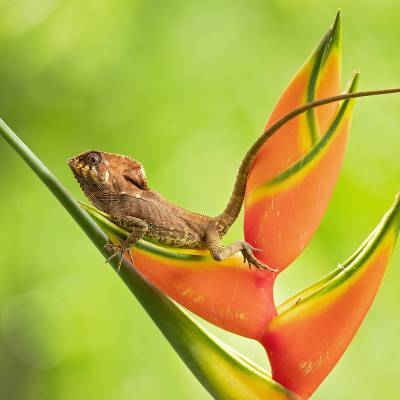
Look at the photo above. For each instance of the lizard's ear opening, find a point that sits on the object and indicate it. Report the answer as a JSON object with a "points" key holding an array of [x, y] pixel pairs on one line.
{"points": [[136, 176]]}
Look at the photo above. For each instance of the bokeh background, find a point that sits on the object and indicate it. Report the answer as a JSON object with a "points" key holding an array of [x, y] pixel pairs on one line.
{"points": [[185, 87]]}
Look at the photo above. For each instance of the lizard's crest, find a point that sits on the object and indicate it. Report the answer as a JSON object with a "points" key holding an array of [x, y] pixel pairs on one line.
{"points": [[104, 176]]}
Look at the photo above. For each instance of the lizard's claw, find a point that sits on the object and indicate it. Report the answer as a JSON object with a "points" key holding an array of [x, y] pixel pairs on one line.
{"points": [[249, 257], [117, 250]]}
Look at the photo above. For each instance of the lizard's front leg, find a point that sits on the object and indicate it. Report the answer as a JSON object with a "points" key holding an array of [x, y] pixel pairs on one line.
{"points": [[220, 252], [137, 228]]}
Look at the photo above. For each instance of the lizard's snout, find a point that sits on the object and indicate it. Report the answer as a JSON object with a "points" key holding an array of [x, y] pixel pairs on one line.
{"points": [[75, 164], [72, 161]]}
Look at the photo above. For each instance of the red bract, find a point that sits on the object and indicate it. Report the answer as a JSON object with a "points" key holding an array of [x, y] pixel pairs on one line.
{"points": [[289, 188]]}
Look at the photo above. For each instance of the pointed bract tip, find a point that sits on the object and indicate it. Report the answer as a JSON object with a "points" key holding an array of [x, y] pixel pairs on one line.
{"points": [[353, 83], [356, 75], [337, 28], [396, 211], [332, 39]]}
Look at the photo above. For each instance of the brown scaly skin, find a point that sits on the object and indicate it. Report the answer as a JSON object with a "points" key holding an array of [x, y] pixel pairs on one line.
{"points": [[117, 185]]}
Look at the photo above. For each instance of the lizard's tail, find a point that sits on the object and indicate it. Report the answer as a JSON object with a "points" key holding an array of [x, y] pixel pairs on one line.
{"points": [[232, 210]]}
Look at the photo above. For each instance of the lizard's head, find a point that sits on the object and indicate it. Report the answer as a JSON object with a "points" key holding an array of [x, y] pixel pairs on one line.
{"points": [[102, 176]]}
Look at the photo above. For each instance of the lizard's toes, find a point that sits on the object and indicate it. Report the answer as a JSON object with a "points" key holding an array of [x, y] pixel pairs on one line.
{"points": [[250, 258], [112, 256], [263, 266], [117, 251]]}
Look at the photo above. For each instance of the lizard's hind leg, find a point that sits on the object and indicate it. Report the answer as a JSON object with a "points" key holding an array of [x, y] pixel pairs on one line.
{"points": [[220, 252]]}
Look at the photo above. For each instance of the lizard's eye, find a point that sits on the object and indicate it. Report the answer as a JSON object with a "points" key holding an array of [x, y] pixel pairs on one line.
{"points": [[93, 158]]}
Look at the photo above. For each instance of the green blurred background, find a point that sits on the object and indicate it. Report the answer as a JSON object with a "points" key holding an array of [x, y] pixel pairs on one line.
{"points": [[185, 87]]}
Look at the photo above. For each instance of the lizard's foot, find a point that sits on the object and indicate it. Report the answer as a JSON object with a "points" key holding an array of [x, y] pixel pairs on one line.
{"points": [[117, 250], [249, 257]]}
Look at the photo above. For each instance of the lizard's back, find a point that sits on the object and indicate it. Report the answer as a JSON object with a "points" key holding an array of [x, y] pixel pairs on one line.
{"points": [[167, 222]]}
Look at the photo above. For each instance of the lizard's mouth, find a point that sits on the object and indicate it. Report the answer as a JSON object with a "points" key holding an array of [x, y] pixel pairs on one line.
{"points": [[76, 166]]}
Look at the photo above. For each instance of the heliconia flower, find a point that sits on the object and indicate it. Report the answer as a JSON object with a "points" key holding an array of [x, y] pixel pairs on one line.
{"points": [[288, 190], [289, 187]]}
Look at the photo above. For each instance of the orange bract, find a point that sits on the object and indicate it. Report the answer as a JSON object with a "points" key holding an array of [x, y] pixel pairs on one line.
{"points": [[278, 216]]}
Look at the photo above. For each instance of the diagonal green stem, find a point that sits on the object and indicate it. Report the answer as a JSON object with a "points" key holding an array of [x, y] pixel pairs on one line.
{"points": [[224, 373]]}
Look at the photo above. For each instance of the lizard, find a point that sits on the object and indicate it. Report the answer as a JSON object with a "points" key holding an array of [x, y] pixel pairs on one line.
{"points": [[117, 185]]}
